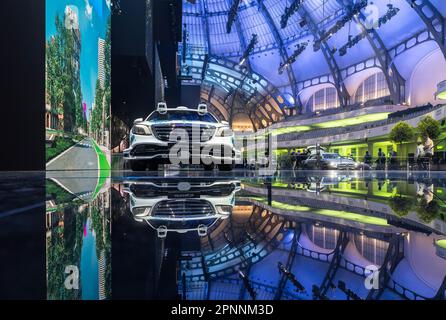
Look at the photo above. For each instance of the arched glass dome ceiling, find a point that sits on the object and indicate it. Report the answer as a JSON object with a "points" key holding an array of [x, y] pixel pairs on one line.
{"points": [[416, 22], [231, 89]]}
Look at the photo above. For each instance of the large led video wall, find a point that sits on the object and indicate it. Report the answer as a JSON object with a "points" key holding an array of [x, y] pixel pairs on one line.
{"points": [[78, 91], [77, 121]]}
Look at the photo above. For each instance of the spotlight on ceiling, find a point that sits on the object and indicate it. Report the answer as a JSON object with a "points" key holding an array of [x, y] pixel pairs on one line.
{"points": [[300, 48], [184, 44], [249, 49], [352, 10], [352, 41], [232, 15], [289, 11]]}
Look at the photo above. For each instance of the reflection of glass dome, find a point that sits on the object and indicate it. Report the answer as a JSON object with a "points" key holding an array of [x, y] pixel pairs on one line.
{"points": [[214, 274], [305, 244]]}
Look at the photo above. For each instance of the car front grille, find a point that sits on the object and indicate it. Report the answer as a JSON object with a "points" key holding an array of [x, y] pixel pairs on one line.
{"points": [[171, 190], [185, 207], [346, 166], [204, 133], [148, 150]]}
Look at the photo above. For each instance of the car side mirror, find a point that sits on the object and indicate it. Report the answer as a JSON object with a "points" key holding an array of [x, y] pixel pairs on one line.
{"points": [[225, 122], [138, 120]]}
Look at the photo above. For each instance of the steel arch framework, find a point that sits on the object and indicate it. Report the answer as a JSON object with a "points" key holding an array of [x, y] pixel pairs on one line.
{"points": [[395, 82], [433, 20], [281, 47], [236, 89], [343, 95]]}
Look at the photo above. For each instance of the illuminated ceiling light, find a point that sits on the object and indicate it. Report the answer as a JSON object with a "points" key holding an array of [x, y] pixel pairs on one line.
{"points": [[351, 12], [289, 11], [300, 48], [248, 50], [391, 12], [232, 15]]}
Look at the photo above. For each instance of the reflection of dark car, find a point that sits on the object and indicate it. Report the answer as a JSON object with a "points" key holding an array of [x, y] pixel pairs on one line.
{"points": [[333, 161]]}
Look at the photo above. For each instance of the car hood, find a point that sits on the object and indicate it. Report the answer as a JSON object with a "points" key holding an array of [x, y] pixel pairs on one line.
{"points": [[182, 122]]}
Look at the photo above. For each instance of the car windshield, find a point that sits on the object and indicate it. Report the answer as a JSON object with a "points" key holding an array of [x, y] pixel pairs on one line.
{"points": [[182, 115], [331, 156]]}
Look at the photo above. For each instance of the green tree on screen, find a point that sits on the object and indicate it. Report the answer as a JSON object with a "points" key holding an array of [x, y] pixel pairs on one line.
{"points": [[429, 127], [63, 76], [402, 132]]}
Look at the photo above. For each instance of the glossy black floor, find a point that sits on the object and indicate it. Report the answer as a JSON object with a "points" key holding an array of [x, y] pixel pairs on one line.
{"points": [[196, 235]]}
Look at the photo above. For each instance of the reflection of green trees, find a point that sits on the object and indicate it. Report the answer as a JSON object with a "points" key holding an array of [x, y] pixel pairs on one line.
{"points": [[108, 258], [65, 245], [64, 248], [96, 224], [63, 76], [100, 219], [427, 212], [401, 205], [58, 194]]}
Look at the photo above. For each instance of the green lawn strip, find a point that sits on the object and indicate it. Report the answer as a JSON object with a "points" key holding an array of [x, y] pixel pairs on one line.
{"points": [[104, 168], [326, 212], [60, 145], [103, 163]]}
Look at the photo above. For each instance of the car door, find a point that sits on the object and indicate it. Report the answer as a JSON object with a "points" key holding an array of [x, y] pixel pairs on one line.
{"points": [[311, 161]]}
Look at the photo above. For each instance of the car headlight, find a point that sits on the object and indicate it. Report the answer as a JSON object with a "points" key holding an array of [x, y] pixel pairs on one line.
{"points": [[224, 132], [142, 130], [332, 164], [142, 211], [224, 210]]}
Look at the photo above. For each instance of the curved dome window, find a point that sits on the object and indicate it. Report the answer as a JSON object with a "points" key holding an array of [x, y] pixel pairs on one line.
{"points": [[323, 99], [373, 250], [323, 237], [373, 87]]}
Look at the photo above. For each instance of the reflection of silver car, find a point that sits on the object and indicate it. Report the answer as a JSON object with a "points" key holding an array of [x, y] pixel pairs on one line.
{"points": [[181, 206], [331, 161], [321, 184]]}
